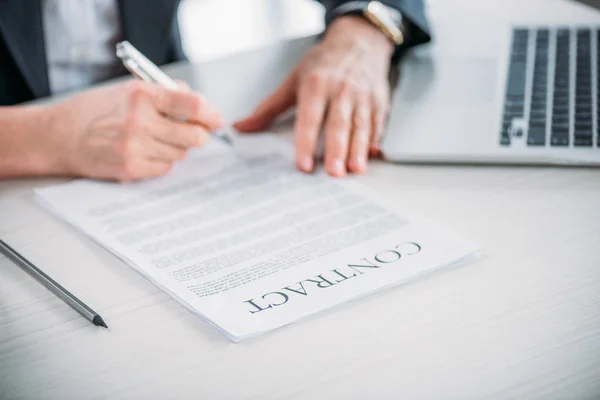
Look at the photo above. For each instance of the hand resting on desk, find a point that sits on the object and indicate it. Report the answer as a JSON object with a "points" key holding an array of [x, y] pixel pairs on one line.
{"points": [[341, 86]]}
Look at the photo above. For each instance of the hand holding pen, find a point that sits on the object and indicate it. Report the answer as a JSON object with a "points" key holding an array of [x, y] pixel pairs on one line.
{"points": [[144, 69], [120, 132], [125, 131]]}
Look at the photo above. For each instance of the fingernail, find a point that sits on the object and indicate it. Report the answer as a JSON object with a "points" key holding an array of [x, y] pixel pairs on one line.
{"points": [[241, 126], [361, 164], [201, 139], [338, 168], [306, 164], [375, 151]]}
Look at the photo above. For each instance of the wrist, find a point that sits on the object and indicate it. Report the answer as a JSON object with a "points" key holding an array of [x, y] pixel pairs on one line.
{"points": [[55, 146], [43, 153], [359, 30]]}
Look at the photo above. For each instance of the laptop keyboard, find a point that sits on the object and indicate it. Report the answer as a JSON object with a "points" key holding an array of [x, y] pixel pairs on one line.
{"points": [[556, 105]]}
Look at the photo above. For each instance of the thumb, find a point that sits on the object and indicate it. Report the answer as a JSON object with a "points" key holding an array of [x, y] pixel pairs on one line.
{"points": [[279, 101]]}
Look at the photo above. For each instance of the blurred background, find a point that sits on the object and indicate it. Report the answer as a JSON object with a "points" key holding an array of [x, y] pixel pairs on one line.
{"points": [[216, 28]]}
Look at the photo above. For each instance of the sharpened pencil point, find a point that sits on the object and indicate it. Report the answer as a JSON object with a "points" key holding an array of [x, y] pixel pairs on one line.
{"points": [[98, 321]]}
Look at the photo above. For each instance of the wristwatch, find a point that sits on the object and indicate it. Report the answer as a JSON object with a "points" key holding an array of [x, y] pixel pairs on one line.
{"points": [[386, 19]]}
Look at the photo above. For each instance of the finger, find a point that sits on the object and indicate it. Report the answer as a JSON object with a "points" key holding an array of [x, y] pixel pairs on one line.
{"points": [[278, 102], [360, 139], [183, 85], [312, 102], [337, 134], [190, 107], [179, 134], [142, 169], [379, 117]]}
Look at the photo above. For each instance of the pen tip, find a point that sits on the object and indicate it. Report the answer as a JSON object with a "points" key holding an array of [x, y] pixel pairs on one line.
{"points": [[98, 321]]}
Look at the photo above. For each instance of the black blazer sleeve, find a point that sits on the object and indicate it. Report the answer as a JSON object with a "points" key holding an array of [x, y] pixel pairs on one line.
{"points": [[413, 12], [176, 52]]}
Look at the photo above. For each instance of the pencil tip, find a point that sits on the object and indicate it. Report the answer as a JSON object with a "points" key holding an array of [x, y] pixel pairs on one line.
{"points": [[98, 321]]}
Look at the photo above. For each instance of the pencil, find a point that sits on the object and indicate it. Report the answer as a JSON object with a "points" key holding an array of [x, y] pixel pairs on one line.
{"points": [[52, 285]]}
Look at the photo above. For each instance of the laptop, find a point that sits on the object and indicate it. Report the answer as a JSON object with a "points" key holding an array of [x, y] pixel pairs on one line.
{"points": [[516, 95]]}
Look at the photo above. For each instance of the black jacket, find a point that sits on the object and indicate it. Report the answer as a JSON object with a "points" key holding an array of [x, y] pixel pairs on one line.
{"points": [[150, 25]]}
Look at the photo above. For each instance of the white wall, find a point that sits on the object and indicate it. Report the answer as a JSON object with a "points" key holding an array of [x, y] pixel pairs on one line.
{"points": [[215, 28]]}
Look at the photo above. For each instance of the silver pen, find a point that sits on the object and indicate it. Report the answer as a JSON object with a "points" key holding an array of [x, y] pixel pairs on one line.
{"points": [[52, 285], [141, 67]]}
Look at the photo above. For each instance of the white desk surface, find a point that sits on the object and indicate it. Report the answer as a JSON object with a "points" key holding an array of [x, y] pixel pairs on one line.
{"points": [[521, 322]]}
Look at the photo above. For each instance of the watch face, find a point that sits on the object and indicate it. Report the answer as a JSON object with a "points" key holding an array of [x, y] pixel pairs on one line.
{"points": [[382, 17], [387, 19], [393, 14]]}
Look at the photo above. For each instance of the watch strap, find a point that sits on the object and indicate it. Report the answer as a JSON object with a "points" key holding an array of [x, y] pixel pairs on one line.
{"points": [[358, 7], [387, 19]]}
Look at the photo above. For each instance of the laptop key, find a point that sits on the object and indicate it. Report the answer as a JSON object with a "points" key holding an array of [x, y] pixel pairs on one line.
{"points": [[583, 126], [559, 140], [583, 141], [536, 136], [560, 120], [538, 123], [539, 114], [516, 85]]}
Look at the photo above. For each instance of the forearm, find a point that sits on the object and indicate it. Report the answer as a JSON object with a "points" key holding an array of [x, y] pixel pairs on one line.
{"points": [[22, 148]]}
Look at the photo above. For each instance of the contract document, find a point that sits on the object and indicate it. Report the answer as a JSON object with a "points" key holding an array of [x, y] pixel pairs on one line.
{"points": [[244, 240]]}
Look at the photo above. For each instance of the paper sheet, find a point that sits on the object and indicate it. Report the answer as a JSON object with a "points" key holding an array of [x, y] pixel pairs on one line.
{"points": [[247, 242]]}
